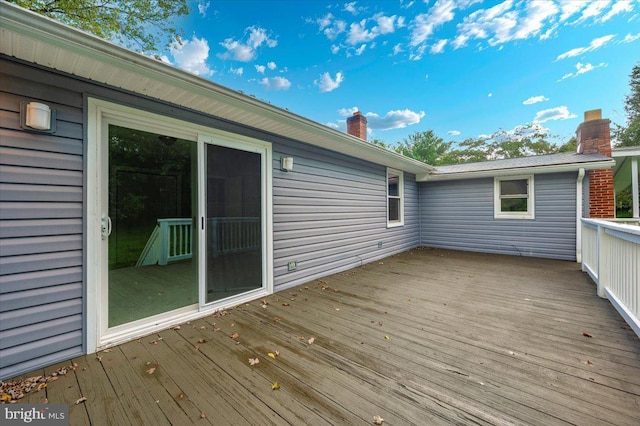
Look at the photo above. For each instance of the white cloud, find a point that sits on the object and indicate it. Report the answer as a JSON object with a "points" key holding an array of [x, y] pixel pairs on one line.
{"points": [[192, 56], [594, 9], [386, 24], [453, 132], [237, 71], [558, 113], [360, 49], [568, 8], [347, 112], [276, 83], [397, 119], [506, 22], [426, 76], [351, 7], [397, 49], [629, 38], [596, 43], [272, 65], [534, 100], [245, 52], [325, 21], [332, 125], [618, 7], [438, 47], [489, 95], [202, 8], [581, 69], [359, 34], [328, 84], [335, 49], [260, 68], [424, 24], [407, 5]]}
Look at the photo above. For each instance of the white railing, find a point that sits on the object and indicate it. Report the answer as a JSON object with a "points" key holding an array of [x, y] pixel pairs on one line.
{"points": [[611, 256], [171, 240], [234, 234]]}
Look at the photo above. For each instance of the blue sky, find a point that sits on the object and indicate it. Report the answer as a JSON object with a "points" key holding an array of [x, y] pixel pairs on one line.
{"points": [[462, 68]]}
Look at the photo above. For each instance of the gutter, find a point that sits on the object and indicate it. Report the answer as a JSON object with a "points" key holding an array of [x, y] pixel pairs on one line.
{"points": [[579, 192], [556, 168]]}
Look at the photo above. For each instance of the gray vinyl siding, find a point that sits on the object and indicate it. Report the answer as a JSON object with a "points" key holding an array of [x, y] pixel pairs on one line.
{"points": [[41, 230], [459, 215], [330, 213]]}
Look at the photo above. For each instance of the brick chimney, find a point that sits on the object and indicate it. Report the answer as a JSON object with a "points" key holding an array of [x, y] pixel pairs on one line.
{"points": [[357, 125], [594, 136]]}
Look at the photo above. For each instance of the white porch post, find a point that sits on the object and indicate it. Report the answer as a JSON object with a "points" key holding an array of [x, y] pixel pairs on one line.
{"points": [[635, 193]]}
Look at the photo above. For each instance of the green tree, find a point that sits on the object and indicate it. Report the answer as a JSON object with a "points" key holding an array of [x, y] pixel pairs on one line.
{"points": [[424, 146], [569, 146], [144, 25], [629, 135], [379, 143]]}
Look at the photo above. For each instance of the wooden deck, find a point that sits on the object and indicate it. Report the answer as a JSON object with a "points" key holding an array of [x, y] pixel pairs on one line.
{"points": [[426, 337]]}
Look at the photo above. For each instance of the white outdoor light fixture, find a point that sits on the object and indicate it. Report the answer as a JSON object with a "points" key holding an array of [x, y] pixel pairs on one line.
{"points": [[286, 164], [37, 116]]}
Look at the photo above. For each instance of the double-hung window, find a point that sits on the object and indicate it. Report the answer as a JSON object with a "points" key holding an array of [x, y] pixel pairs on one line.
{"points": [[395, 199], [514, 197]]}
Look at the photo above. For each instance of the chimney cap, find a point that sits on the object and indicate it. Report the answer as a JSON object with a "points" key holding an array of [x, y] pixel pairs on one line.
{"points": [[594, 114], [357, 113]]}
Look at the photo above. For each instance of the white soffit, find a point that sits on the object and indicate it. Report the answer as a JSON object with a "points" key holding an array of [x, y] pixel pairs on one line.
{"points": [[43, 41]]}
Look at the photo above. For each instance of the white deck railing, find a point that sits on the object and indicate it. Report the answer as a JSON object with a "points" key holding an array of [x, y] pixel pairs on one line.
{"points": [[171, 240], [611, 256]]}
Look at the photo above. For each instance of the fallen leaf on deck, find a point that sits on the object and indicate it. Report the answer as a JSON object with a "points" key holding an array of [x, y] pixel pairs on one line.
{"points": [[386, 337], [203, 416], [83, 399], [264, 306], [377, 420], [285, 304], [197, 347], [5, 397], [154, 342], [202, 327], [380, 323], [202, 340], [177, 327], [311, 340], [588, 362], [335, 290], [41, 386], [275, 386], [105, 351], [181, 396], [99, 358], [585, 334], [235, 335], [216, 329], [276, 319], [253, 361], [271, 355], [150, 371]]}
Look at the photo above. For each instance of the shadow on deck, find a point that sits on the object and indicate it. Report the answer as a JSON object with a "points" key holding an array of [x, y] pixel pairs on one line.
{"points": [[424, 337]]}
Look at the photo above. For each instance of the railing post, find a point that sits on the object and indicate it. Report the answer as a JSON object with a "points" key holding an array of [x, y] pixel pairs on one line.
{"points": [[604, 261], [164, 242]]}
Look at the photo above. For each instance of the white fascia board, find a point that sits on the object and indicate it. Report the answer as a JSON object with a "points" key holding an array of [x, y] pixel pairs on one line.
{"points": [[557, 168], [30, 26], [626, 151]]}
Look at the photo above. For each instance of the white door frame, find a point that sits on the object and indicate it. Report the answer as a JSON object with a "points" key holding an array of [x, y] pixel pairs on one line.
{"points": [[100, 114]]}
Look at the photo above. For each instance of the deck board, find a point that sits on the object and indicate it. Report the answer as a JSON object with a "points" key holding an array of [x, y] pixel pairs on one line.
{"points": [[425, 337]]}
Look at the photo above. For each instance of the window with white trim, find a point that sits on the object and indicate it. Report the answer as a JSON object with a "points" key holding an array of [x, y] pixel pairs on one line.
{"points": [[514, 197], [395, 198]]}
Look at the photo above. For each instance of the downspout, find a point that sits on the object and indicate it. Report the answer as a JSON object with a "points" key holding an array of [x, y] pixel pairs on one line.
{"points": [[579, 215]]}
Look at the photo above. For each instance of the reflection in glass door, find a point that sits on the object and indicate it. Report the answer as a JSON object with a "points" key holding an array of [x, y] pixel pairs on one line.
{"points": [[234, 224], [152, 208]]}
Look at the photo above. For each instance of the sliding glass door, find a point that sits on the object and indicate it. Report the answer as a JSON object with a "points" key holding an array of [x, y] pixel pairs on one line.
{"points": [[234, 249]]}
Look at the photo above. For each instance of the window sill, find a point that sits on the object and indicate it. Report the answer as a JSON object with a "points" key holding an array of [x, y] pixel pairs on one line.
{"points": [[523, 216], [394, 224]]}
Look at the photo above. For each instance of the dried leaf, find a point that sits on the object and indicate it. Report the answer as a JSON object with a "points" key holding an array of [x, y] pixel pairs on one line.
{"points": [[41, 386], [275, 386], [197, 347], [81, 400], [202, 340], [154, 342], [380, 323], [99, 358], [235, 335], [202, 327], [216, 329], [311, 340], [277, 353], [264, 306], [386, 337], [377, 420], [181, 395], [105, 351], [5, 397], [285, 304], [203, 416], [253, 361], [151, 370], [276, 319], [585, 334], [177, 327], [272, 355], [588, 362]]}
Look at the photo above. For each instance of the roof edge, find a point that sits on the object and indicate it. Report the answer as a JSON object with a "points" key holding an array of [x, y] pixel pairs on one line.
{"points": [[556, 168]]}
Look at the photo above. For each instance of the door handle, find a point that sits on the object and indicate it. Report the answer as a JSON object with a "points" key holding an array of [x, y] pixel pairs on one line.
{"points": [[105, 227]]}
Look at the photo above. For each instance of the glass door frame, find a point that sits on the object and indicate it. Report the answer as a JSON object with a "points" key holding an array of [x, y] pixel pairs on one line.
{"points": [[100, 114]]}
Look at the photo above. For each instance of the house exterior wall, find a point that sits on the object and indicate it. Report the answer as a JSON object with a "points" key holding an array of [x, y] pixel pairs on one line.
{"points": [[459, 215], [329, 213]]}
